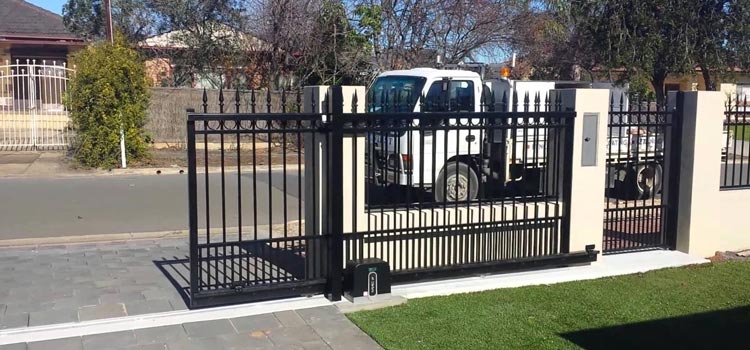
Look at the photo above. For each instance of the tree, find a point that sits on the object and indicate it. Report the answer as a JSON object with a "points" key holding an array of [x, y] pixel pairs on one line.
{"points": [[312, 38], [415, 32], [719, 37], [134, 19], [647, 37], [107, 94]]}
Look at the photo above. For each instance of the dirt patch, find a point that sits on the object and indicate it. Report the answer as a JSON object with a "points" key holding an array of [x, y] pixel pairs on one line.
{"points": [[731, 256]]}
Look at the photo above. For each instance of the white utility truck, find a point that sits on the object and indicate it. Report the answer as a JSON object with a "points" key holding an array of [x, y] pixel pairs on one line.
{"points": [[501, 160]]}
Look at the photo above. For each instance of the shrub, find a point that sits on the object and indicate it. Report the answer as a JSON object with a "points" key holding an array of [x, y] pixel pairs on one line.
{"points": [[109, 91]]}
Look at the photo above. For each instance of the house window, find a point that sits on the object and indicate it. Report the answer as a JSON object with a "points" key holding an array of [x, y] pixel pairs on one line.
{"points": [[450, 96]]}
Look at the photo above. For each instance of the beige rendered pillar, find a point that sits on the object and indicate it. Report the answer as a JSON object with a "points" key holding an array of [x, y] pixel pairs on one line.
{"points": [[354, 164], [315, 170], [316, 175], [587, 195], [700, 170]]}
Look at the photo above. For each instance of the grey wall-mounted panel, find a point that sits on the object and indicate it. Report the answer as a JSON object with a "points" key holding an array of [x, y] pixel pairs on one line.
{"points": [[590, 139]]}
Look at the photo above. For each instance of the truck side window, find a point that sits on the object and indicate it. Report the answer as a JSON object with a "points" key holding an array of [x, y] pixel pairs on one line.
{"points": [[458, 98]]}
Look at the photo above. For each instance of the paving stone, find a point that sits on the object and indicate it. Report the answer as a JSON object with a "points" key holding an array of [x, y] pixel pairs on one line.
{"points": [[52, 317], [14, 321], [17, 346], [337, 331], [2, 309], [289, 319], [109, 340], [195, 344], [320, 314], [148, 307], [178, 304], [316, 345], [353, 341], [57, 344], [208, 328], [27, 306], [262, 323], [160, 335], [162, 293], [244, 342], [152, 347], [98, 312], [288, 336], [121, 298]]}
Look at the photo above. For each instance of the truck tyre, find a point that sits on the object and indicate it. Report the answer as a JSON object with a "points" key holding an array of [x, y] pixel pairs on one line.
{"points": [[456, 182], [648, 180]]}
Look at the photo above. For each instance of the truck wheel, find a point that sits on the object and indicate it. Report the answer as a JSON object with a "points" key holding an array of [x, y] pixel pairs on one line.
{"points": [[648, 180], [456, 182]]}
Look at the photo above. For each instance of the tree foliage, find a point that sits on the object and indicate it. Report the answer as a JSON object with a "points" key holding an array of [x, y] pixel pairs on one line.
{"points": [[646, 38], [134, 19], [108, 93], [409, 33]]}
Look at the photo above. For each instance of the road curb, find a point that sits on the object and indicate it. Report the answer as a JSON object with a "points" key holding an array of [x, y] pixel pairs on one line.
{"points": [[294, 226], [150, 171], [99, 238]]}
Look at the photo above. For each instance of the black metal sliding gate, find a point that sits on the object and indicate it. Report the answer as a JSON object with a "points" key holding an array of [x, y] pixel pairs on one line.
{"points": [[279, 201], [642, 175]]}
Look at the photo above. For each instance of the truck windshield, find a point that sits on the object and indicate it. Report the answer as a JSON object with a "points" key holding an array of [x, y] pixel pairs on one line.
{"points": [[394, 94]]}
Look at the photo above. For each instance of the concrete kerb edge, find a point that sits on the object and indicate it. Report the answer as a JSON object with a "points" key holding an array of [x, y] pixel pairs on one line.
{"points": [[128, 236], [147, 171]]}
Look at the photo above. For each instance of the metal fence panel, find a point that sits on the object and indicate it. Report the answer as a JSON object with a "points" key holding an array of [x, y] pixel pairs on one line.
{"points": [[640, 173], [735, 171]]}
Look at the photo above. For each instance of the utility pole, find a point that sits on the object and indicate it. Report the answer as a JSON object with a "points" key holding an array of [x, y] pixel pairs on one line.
{"points": [[111, 38], [108, 21]]}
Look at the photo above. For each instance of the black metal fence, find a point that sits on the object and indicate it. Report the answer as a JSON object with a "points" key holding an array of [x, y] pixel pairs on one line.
{"points": [[441, 192], [641, 151], [735, 170]]}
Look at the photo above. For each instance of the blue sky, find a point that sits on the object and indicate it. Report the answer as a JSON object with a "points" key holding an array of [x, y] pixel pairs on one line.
{"points": [[52, 5]]}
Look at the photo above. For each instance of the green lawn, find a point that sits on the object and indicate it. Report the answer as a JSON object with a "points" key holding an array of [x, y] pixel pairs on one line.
{"points": [[701, 307]]}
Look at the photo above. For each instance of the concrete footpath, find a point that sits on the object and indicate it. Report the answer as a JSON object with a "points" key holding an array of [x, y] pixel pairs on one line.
{"points": [[131, 295]]}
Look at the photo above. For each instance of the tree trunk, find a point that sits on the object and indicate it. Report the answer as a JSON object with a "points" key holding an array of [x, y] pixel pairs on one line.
{"points": [[658, 82], [707, 80]]}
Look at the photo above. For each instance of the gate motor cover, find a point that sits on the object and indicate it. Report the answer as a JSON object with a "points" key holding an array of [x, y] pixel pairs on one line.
{"points": [[367, 278]]}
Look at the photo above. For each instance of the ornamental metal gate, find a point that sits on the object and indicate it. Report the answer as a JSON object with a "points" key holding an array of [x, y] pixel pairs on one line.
{"points": [[280, 201], [642, 175], [32, 110]]}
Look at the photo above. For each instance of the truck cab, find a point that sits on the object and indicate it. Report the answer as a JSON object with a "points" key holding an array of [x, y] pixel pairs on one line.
{"points": [[452, 157]]}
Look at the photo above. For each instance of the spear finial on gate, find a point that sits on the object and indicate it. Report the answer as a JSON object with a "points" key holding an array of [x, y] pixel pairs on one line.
{"points": [[537, 102], [514, 101], [205, 101], [268, 100], [299, 100], [237, 100], [526, 102], [355, 100], [252, 101], [221, 99], [504, 102], [283, 100]]}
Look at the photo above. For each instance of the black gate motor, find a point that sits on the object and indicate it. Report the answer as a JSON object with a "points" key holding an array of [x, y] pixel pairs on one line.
{"points": [[366, 278]]}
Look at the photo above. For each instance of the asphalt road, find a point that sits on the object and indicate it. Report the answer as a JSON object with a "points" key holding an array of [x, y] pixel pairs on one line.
{"points": [[55, 207]]}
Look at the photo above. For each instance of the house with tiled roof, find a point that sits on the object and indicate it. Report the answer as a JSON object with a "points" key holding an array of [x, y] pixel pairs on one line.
{"points": [[34, 51], [31, 32]]}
